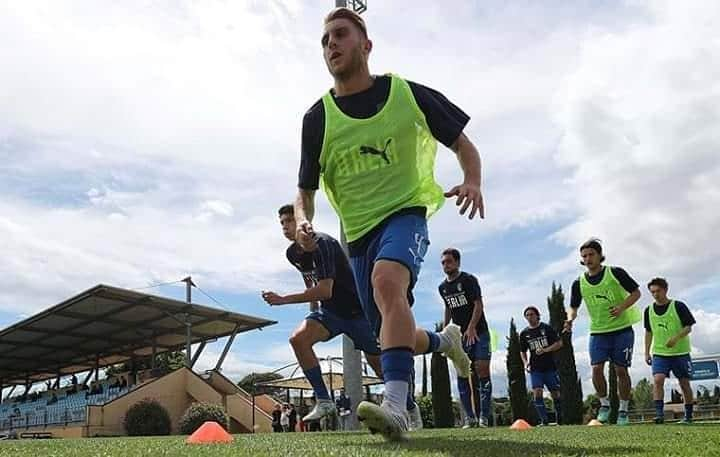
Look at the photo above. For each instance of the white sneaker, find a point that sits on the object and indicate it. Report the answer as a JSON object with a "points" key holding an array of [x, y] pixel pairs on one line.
{"points": [[456, 353], [469, 422], [383, 419], [322, 408], [482, 422], [416, 422]]}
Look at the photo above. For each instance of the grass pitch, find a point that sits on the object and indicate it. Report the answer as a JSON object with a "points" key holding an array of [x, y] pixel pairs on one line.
{"points": [[636, 441]]}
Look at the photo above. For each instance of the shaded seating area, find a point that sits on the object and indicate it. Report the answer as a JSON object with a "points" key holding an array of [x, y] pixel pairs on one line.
{"points": [[64, 348]]}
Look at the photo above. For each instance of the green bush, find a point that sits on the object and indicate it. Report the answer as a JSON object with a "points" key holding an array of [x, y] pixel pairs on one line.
{"points": [[147, 418], [199, 413], [426, 411]]}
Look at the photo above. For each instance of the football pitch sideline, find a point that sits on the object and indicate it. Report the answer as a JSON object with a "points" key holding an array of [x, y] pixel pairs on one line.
{"points": [[638, 440]]}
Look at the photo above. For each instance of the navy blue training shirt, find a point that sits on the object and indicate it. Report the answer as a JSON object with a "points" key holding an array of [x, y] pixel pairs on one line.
{"points": [[459, 296], [329, 261]]}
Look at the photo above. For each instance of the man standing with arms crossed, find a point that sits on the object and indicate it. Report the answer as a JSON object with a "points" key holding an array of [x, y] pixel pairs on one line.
{"points": [[464, 306], [667, 346], [610, 295], [371, 140]]}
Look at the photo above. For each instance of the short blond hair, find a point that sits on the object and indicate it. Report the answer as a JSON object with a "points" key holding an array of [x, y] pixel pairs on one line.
{"points": [[346, 13]]}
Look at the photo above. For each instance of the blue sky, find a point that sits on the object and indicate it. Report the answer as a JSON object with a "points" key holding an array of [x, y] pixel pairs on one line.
{"points": [[141, 142]]}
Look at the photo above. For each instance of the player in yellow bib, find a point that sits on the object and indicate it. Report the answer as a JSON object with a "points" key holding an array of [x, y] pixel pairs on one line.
{"points": [[610, 295], [667, 346], [370, 143]]}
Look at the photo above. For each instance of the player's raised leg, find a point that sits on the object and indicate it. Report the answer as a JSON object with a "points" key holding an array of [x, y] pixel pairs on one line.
{"points": [[307, 334]]}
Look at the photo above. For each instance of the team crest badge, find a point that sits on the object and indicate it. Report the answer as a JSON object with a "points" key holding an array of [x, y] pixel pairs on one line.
{"points": [[459, 287]]}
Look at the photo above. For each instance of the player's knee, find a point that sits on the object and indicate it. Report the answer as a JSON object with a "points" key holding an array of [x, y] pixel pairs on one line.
{"points": [[482, 368], [385, 286], [298, 340], [538, 393], [622, 372]]}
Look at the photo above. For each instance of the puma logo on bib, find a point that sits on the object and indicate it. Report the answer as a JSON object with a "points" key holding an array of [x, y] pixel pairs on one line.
{"points": [[377, 152]]}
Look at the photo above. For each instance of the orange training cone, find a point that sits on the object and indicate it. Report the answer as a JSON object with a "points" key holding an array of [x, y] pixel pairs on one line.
{"points": [[209, 432], [594, 423], [520, 424]]}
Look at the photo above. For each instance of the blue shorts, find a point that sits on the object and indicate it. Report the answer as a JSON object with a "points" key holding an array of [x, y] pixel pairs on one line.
{"points": [[480, 349], [540, 379], [680, 365], [403, 239], [616, 347], [357, 329]]}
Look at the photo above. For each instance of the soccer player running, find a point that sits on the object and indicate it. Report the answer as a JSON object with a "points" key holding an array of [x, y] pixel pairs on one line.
{"points": [[610, 295], [667, 346], [329, 280], [464, 306], [541, 340], [372, 140]]}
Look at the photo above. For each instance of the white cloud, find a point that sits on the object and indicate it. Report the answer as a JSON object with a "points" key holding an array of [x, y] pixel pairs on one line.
{"points": [[640, 129], [142, 143]]}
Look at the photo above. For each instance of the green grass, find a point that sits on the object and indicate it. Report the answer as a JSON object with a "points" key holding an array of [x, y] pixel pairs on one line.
{"points": [[639, 440]]}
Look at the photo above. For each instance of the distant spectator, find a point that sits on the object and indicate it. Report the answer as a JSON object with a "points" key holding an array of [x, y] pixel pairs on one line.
{"points": [[123, 383], [285, 418], [293, 417], [342, 403], [302, 412], [73, 380], [53, 399], [276, 415], [95, 388], [48, 385]]}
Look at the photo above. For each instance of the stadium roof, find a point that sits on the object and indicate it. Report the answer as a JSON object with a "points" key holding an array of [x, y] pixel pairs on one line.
{"points": [[333, 381], [108, 325]]}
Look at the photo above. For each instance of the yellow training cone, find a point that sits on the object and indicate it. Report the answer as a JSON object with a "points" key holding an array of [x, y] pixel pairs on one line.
{"points": [[594, 423]]}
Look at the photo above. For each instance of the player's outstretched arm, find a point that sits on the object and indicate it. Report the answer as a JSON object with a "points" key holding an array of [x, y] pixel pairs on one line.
{"points": [[319, 292], [468, 194], [571, 316], [523, 356], [554, 347], [304, 212], [675, 338], [629, 301], [470, 335]]}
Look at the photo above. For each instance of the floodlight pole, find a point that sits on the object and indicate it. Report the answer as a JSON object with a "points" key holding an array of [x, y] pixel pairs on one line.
{"points": [[352, 368], [188, 325], [359, 6]]}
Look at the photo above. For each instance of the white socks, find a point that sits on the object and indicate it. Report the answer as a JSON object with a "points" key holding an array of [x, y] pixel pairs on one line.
{"points": [[396, 394], [445, 343]]}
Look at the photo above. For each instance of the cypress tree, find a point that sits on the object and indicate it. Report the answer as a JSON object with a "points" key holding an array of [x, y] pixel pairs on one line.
{"points": [[570, 385], [424, 377], [441, 398], [517, 387], [613, 394]]}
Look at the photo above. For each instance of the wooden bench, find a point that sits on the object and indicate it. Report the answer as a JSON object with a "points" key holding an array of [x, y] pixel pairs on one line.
{"points": [[36, 435]]}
